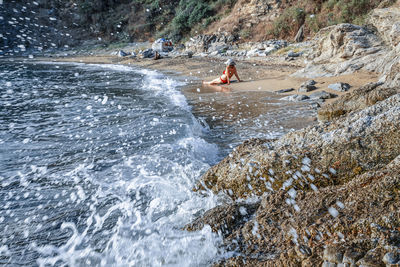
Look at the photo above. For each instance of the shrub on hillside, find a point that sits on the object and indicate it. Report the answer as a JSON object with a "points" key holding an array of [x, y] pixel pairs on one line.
{"points": [[194, 15], [142, 19], [318, 14], [188, 14], [289, 22]]}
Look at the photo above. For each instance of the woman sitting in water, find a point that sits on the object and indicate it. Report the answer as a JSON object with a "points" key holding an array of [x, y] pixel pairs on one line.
{"points": [[226, 75]]}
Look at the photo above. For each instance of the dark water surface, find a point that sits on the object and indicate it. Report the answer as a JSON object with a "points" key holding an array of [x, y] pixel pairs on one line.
{"points": [[98, 162]]}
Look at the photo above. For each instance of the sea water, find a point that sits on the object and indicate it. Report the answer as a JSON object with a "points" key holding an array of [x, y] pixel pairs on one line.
{"points": [[98, 163]]}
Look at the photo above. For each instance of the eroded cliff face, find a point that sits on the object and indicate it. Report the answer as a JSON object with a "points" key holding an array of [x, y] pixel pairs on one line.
{"points": [[248, 18]]}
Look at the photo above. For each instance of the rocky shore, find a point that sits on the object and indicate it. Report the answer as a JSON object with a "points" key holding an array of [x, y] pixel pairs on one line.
{"points": [[329, 194], [325, 195]]}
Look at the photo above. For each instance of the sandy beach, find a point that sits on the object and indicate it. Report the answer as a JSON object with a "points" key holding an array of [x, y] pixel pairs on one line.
{"points": [[240, 102], [267, 75]]}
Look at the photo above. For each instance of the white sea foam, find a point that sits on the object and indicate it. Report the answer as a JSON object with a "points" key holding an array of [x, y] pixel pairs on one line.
{"points": [[332, 211], [110, 170], [163, 85], [116, 67], [171, 205], [200, 148], [114, 178]]}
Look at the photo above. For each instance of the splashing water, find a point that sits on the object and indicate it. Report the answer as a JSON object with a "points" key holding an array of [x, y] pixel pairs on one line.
{"points": [[98, 165]]}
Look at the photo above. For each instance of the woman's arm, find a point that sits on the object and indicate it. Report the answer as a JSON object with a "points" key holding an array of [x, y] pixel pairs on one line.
{"points": [[237, 75], [227, 75]]}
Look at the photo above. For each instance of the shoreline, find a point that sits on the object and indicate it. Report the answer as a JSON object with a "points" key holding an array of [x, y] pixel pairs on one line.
{"points": [[267, 75], [346, 151], [240, 106], [297, 174], [250, 92], [262, 79]]}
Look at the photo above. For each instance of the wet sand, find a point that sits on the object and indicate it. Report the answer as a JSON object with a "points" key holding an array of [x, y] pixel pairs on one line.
{"points": [[268, 74], [251, 104]]}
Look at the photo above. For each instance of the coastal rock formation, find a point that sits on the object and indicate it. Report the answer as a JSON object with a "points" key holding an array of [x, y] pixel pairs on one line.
{"points": [[343, 49], [307, 86], [320, 155], [346, 48], [329, 193], [322, 95], [210, 43], [226, 218], [227, 44], [122, 53], [340, 87], [354, 224], [263, 48], [345, 41], [387, 23], [295, 98], [359, 99]]}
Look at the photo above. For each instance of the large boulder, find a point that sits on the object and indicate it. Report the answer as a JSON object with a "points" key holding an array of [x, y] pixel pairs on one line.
{"points": [[147, 53], [345, 41], [322, 95], [387, 23], [210, 43], [122, 53], [307, 86], [340, 87], [344, 49]]}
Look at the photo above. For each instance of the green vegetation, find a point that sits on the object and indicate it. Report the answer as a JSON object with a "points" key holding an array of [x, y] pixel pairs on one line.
{"points": [[289, 22], [188, 14], [318, 14], [245, 33], [128, 20], [143, 19], [195, 15]]}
